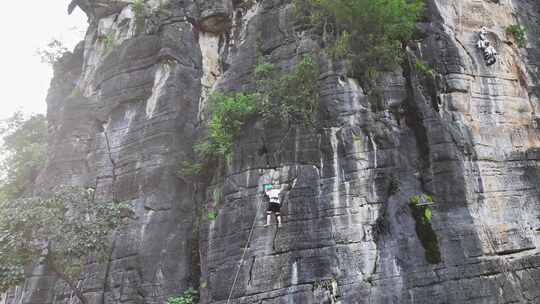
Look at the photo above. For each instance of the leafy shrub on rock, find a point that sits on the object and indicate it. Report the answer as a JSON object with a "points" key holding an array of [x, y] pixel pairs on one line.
{"points": [[138, 10], [518, 33], [23, 153], [190, 296], [61, 229], [368, 33], [292, 98], [229, 113], [422, 216]]}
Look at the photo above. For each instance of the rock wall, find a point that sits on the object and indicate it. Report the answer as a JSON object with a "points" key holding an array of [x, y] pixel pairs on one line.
{"points": [[127, 106]]}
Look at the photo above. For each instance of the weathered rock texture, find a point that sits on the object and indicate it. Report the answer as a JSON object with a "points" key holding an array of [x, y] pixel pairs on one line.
{"points": [[126, 107]]}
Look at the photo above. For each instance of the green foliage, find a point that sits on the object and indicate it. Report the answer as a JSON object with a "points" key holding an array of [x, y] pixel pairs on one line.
{"points": [[228, 115], [264, 69], [216, 197], [138, 7], [11, 275], [292, 98], [523, 109], [23, 153], [428, 238], [52, 52], [424, 68], [427, 215], [189, 169], [341, 48], [63, 227], [190, 296], [109, 41], [368, 33], [518, 33], [382, 224], [393, 185], [414, 200], [425, 210], [138, 11]]}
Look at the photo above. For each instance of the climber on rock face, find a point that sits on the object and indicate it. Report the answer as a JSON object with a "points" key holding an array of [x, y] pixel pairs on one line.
{"points": [[481, 44], [486, 47], [483, 33], [274, 205], [489, 54]]}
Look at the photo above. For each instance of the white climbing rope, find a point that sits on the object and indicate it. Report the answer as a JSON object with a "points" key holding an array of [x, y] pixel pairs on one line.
{"points": [[245, 251]]}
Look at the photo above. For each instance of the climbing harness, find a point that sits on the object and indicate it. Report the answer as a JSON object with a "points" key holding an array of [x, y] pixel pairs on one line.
{"points": [[245, 251]]}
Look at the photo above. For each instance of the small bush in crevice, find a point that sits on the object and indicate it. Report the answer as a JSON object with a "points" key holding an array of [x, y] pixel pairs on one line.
{"points": [[212, 215], [190, 169], [422, 199], [393, 185], [264, 69], [190, 296], [382, 224], [229, 113], [292, 98], [108, 40], [216, 197], [340, 48], [427, 236], [424, 68], [138, 11], [376, 99], [518, 33]]}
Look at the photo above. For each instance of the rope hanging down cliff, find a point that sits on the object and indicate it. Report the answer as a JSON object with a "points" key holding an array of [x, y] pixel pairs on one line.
{"points": [[245, 251]]}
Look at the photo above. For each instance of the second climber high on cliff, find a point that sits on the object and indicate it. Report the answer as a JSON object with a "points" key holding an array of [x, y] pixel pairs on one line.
{"points": [[274, 204], [486, 47]]}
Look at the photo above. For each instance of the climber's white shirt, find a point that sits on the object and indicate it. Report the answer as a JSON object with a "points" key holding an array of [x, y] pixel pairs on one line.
{"points": [[273, 194]]}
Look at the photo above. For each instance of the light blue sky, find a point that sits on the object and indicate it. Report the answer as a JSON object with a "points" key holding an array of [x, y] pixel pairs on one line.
{"points": [[26, 26]]}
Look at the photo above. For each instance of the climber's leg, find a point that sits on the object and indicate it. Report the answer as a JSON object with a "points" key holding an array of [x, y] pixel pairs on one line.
{"points": [[278, 217], [268, 218]]}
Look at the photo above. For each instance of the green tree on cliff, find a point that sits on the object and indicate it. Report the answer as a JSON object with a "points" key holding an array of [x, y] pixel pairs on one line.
{"points": [[368, 33], [62, 231], [22, 153]]}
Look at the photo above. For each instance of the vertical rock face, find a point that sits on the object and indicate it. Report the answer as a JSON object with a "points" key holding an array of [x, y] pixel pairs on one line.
{"points": [[215, 16], [127, 106]]}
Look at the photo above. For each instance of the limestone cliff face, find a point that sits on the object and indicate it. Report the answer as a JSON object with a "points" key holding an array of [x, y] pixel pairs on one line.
{"points": [[127, 106]]}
